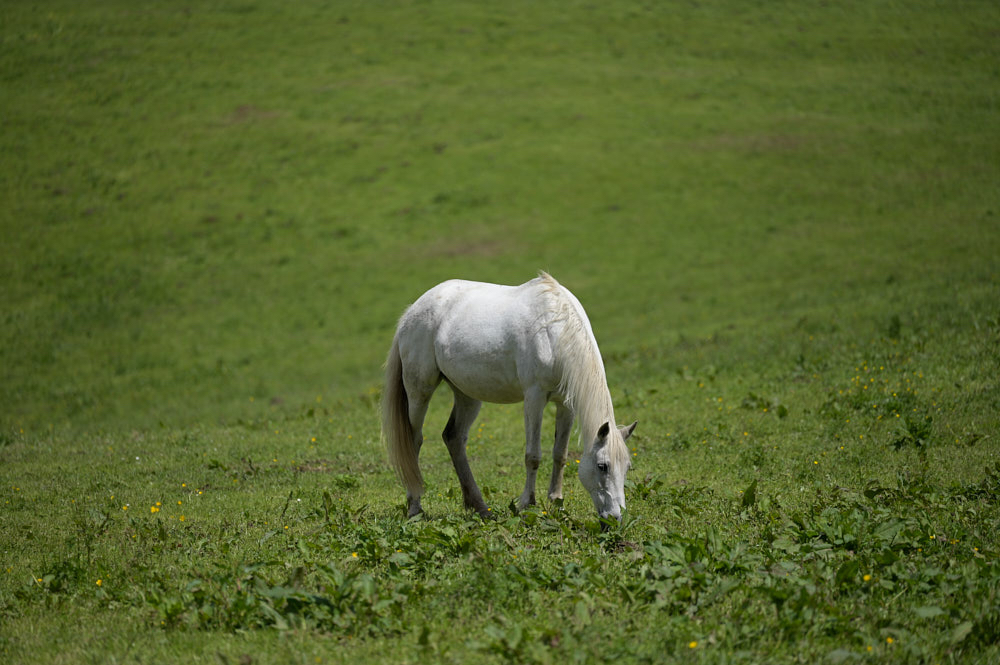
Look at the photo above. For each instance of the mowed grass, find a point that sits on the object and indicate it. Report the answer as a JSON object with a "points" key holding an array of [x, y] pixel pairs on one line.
{"points": [[782, 220]]}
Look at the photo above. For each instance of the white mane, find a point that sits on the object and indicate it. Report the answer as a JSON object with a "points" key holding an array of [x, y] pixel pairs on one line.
{"points": [[584, 385]]}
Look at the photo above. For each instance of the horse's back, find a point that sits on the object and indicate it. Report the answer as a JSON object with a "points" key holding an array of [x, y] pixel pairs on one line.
{"points": [[489, 307], [487, 340]]}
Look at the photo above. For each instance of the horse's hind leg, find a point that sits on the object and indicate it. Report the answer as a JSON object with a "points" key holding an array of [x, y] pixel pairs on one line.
{"points": [[419, 389], [418, 409], [456, 435]]}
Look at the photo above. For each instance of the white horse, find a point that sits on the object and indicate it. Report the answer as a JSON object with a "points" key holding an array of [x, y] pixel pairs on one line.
{"points": [[504, 344]]}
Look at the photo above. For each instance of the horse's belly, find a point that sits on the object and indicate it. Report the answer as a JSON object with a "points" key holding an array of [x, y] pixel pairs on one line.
{"points": [[482, 376], [494, 393], [497, 392]]}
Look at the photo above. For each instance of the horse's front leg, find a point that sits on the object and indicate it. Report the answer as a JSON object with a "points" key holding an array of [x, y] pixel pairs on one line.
{"points": [[534, 406], [564, 424]]}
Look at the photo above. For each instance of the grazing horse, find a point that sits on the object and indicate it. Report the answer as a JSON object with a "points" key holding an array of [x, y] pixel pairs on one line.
{"points": [[504, 344]]}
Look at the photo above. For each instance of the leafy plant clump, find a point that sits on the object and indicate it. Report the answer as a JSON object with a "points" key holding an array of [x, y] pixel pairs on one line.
{"points": [[322, 598]]}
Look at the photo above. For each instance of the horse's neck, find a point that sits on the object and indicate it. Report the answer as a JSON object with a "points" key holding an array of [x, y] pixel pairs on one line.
{"points": [[585, 386], [594, 414]]}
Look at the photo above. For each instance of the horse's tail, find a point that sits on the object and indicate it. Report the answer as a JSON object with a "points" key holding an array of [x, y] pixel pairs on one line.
{"points": [[397, 433]]}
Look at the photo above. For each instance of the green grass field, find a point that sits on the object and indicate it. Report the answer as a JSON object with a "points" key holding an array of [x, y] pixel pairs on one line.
{"points": [[782, 218]]}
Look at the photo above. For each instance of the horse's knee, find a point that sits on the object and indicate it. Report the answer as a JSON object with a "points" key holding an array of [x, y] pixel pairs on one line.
{"points": [[453, 433], [449, 430], [532, 461]]}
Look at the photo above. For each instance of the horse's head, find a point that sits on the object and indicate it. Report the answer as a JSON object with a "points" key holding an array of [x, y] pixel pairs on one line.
{"points": [[603, 467]]}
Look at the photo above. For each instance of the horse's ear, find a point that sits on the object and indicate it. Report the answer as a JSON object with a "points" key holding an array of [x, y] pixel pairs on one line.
{"points": [[602, 433], [627, 431]]}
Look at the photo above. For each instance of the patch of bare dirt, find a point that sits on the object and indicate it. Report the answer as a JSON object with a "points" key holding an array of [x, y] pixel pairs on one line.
{"points": [[250, 113], [753, 143]]}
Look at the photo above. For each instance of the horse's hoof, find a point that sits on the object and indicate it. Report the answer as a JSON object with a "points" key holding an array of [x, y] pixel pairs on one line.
{"points": [[525, 502]]}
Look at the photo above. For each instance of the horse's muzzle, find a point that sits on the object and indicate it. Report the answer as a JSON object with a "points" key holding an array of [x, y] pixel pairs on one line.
{"points": [[607, 519]]}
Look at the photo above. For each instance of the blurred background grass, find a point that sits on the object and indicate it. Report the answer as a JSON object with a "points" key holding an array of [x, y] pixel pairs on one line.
{"points": [[234, 200], [781, 217]]}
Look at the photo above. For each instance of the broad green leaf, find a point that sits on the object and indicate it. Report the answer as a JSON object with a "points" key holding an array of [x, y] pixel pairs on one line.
{"points": [[749, 495], [838, 656], [961, 631]]}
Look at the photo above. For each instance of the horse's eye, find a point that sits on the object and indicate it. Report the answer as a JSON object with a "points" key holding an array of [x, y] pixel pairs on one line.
{"points": [[603, 467]]}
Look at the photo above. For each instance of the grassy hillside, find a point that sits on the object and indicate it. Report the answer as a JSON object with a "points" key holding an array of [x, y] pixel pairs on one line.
{"points": [[783, 220]]}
